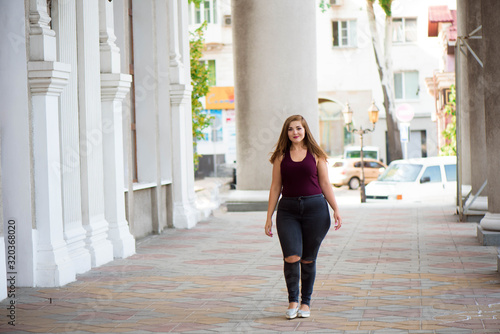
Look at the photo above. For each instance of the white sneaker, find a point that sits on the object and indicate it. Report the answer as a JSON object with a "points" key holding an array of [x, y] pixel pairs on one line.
{"points": [[303, 314], [291, 313]]}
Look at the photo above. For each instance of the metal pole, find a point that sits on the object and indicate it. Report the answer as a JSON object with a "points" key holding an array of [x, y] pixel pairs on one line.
{"points": [[362, 184], [458, 115]]}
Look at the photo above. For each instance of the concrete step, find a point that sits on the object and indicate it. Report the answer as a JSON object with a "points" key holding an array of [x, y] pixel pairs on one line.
{"points": [[488, 238], [246, 200]]}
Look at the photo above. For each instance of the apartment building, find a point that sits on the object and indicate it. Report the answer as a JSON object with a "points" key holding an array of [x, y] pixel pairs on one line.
{"points": [[346, 70]]}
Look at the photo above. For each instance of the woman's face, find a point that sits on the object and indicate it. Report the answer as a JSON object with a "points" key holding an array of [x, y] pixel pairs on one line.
{"points": [[296, 132]]}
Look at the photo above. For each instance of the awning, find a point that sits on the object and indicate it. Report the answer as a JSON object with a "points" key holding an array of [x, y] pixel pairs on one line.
{"points": [[438, 14]]}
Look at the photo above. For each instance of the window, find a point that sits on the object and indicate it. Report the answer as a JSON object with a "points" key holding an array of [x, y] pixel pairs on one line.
{"points": [[211, 71], [205, 11], [197, 13], [451, 172], [433, 173], [404, 30], [213, 133], [356, 153], [344, 33], [214, 10], [406, 85], [401, 173], [373, 164], [368, 164]]}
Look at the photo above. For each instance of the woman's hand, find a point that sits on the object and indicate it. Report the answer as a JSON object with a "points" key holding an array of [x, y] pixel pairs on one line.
{"points": [[337, 219], [269, 228]]}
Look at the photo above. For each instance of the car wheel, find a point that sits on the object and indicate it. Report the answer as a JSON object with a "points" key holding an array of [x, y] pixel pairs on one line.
{"points": [[354, 183]]}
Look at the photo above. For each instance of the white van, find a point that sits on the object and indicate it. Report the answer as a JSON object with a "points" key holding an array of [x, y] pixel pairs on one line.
{"points": [[352, 152], [419, 180]]}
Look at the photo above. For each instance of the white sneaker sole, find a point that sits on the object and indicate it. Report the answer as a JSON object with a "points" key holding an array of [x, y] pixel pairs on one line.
{"points": [[303, 314], [291, 313]]}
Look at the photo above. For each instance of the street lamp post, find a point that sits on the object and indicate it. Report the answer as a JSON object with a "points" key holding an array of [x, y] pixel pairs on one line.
{"points": [[373, 115]]}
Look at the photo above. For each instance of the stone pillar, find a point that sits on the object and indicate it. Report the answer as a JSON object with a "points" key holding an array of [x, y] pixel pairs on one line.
{"points": [[147, 79], [123, 32], [275, 77], [475, 91], [463, 130], [46, 79], [64, 23], [4, 238], [16, 126], [490, 10], [91, 133], [114, 88], [184, 213]]}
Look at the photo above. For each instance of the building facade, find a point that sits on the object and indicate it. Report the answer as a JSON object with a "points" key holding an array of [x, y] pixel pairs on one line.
{"points": [[346, 69], [266, 91], [443, 25], [218, 149], [96, 143], [347, 73]]}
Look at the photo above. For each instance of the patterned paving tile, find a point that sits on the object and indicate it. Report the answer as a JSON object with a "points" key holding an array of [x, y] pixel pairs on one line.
{"points": [[411, 270]]}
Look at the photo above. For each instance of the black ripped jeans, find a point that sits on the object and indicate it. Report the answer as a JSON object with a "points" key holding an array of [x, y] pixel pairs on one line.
{"points": [[302, 224]]}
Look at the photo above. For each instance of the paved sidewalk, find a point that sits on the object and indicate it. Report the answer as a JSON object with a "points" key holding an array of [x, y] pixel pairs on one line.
{"points": [[390, 269]]}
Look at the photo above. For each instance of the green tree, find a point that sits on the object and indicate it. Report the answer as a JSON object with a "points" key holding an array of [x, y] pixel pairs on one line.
{"points": [[200, 83], [383, 59], [450, 133]]}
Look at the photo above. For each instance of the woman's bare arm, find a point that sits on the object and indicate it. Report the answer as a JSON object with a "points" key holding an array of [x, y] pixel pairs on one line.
{"points": [[274, 194], [327, 189]]}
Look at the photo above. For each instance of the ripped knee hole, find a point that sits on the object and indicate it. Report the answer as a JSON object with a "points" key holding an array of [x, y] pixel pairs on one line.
{"points": [[292, 259]]}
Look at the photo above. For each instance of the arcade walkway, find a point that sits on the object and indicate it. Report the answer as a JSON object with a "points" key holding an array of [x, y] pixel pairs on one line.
{"points": [[390, 269]]}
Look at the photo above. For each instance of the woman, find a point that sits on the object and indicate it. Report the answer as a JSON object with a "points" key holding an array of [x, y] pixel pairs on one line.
{"points": [[300, 175]]}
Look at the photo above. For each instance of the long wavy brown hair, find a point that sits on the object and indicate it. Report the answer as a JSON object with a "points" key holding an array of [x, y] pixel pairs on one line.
{"points": [[284, 142]]}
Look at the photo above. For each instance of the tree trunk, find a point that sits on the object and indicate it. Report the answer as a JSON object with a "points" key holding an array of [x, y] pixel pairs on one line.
{"points": [[384, 66]]}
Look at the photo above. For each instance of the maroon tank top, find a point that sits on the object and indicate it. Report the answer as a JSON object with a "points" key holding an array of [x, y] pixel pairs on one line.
{"points": [[299, 178]]}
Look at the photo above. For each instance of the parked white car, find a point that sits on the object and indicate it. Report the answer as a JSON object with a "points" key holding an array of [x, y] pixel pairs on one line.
{"points": [[418, 180]]}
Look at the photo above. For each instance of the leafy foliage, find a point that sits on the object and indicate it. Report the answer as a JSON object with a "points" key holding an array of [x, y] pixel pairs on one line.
{"points": [[200, 83], [324, 6], [450, 133], [386, 6]]}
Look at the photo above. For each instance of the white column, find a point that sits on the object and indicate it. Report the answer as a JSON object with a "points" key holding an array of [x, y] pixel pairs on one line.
{"points": [[54, 266], [4, 238], [91, 135], [275, 77], [46, 79], [16, 124], [147, 40], [114, 88], [64, 24], [184, 208], [123, 32]]}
